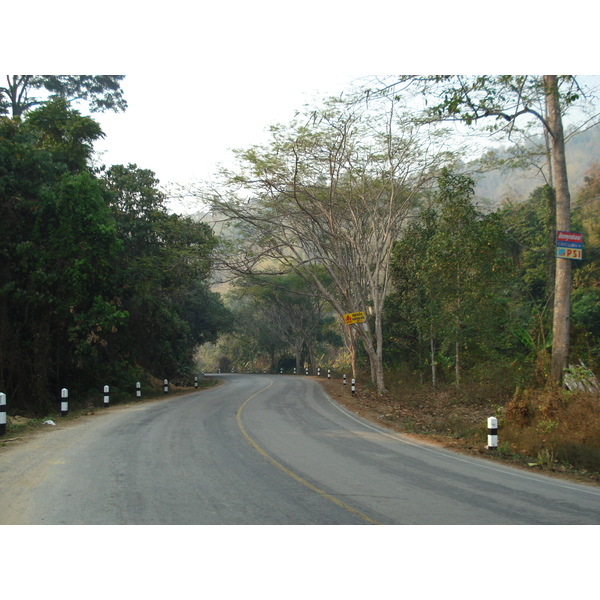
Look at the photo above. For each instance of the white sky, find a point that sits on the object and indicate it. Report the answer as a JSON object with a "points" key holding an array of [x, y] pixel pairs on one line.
{"points": [[186, 144], [183, 139]]}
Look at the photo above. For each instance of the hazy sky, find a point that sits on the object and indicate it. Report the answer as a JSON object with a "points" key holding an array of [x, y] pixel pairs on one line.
{"points": [[202, 78], [183, 136]]}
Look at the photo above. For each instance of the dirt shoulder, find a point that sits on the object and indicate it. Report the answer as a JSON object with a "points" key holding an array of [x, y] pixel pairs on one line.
{"points": [[22, 429]]}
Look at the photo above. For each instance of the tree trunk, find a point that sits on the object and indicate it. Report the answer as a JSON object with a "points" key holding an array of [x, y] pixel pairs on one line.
{"points": [[457, 363], [562, 289], [310, 347], [457, 325], [379, 373], [298, 352], [433, 364], [354, 355], [550, 223], [375, 358]]}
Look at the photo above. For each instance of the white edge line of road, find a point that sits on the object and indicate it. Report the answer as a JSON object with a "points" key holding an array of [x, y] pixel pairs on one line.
{"points": [[399, 437]]}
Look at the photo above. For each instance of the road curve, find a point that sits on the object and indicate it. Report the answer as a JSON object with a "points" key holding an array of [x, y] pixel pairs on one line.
{"points": [[265, 450]]}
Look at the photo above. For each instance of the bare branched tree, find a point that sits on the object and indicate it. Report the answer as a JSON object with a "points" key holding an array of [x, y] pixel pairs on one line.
{"points": [[328, 198]]}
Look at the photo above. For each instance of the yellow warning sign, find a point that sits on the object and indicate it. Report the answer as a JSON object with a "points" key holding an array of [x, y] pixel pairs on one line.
{"points": [[357, 317]]}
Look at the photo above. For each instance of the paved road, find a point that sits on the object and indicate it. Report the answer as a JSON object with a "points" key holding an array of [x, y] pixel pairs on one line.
{"points": [[265, 450]]}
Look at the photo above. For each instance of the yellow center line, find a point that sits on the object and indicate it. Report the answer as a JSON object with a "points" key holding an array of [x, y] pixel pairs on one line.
{"points": [[293, 475]]}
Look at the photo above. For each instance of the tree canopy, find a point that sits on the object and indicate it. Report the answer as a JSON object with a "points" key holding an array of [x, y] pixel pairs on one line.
{"points": [[21, 93], [332, 191]]}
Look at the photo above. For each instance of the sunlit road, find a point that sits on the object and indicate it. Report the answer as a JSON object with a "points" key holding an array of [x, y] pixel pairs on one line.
{"points": [[265, 450]]}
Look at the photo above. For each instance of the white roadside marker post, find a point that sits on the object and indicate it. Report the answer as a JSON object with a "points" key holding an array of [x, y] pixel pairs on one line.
{"points": [[138, 390], [353, 385], [106, 397], [166, 386], [492, 424]]}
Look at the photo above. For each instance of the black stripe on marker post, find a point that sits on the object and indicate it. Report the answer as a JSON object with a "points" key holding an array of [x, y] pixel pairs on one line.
{"points": [[492, 423], [64, 402]]}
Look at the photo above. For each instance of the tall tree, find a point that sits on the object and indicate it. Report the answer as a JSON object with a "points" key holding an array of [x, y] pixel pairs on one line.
{"points": [[332, 191], [57, 243], [450, 274], [162, 274], [562, 286]]}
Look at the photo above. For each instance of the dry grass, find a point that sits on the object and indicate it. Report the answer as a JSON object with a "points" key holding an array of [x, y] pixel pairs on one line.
{"points": [[558, 428]]}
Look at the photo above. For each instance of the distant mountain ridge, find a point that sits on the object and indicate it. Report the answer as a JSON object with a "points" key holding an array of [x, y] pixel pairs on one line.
{"points": [[494, 187], [582, 150]]}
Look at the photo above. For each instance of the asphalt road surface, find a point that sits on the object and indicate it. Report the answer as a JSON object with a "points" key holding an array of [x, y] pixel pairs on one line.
{"points": [[265, 450]]}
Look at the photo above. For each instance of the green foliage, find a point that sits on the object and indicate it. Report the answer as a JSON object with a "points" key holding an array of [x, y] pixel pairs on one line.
{"points": [[531, 230], [495, 102], [586, 310], [58, 245], [68, 135], [452, 305], [587, 213], [96, 278], [163, 275], [478, 287]]}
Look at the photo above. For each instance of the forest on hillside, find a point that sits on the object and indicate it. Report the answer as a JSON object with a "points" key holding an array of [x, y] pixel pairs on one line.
{"points": [[353, 209], [475, 308], [356, 205]]}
